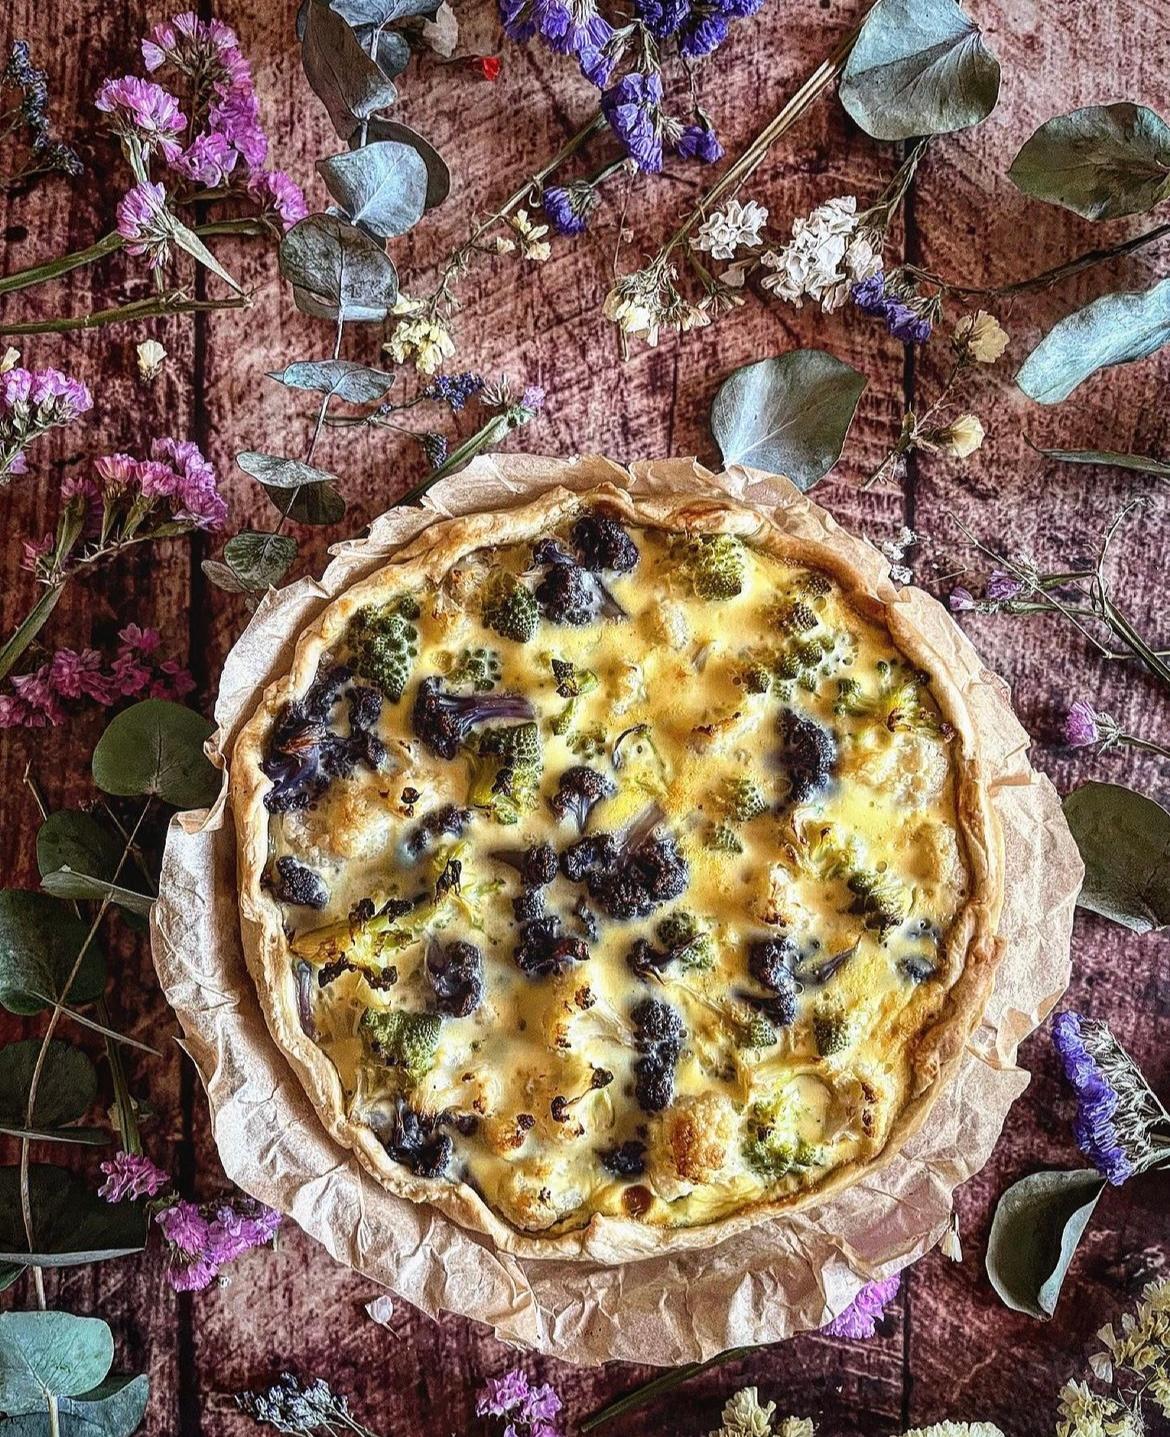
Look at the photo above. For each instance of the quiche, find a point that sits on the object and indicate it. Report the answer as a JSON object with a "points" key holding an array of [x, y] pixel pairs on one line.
{"points": [[616, 872]]}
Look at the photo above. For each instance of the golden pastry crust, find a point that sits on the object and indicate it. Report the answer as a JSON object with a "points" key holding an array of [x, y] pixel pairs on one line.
{"points": [[972, 948]]}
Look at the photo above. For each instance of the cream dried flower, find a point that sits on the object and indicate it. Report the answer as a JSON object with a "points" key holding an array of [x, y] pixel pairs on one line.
{"points": [[981, 336], [9, 359], [734, 228], [424, 341], [826, 256], [956, 1429], [636, 305], [151, 358], [533, 245], [1084, 1413], [961, 437], [796, 1427], [744, 1417]]}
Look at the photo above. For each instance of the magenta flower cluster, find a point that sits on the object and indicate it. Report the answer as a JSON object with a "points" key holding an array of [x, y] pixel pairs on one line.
{"points": [[41, 698], [33, 401], [176, 477], [130, 1176], [860, 1319], [203, 1239], [531, 1411], [999, 589]]}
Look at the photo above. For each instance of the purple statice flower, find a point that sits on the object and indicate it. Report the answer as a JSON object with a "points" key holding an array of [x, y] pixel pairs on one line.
{"points": [[860, 1318], [279, 197], [130, 1176], [57, 398], [184, 1227], [236, 116], [144, 222], [903, 321], [699, 142], [567, 28], [518, 20], [190, 1274], [199, 49], [698, 26], [143, 110], [632, 107], [540, 1406], [237, 1227], [209, 159], [533, 398], [191, 486], [501, 1395], [1001, 587], [1116, 1109], [962, 601], [598, 62], [201, 1240], [569, 206], [1081, 728], [455, 389], [869, 295]]}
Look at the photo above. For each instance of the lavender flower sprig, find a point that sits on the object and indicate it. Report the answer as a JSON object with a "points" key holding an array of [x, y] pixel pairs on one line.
{"points": [[1086, 727], [293, 1406]]}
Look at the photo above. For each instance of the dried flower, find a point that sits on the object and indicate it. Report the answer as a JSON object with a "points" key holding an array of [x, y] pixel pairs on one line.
{"points": [[435, 448], [698, 142], [826, 256], [981, 336], [1001, 587], [280, 197], [1082, 725], [143, 111], [904, 321], [151, 358], [734, 228], [526, 1407], [454, 389], [145, 222], [425, 341], [633, 109], [130, 1176], [743, 1416], [569, 207], [31, 403], [956, 1429], [635, 305], [291, 1405], [533, 245], [894, 551], [860, 1318], [488, 66], [201, 1240], [961, 437]]}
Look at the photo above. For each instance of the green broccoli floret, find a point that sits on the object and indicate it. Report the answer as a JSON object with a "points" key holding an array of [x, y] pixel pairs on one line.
{"points": [[897, 701], [743, 799], [406, 1040], [590, 743], [756, 1032], [510, 608], [571, 681], [385, 644], [769, 1154], [686, 939], [831, 1032], [722, 838], [715, 565], [880, 899], [478, 667], [796, 619], [562, 723]]}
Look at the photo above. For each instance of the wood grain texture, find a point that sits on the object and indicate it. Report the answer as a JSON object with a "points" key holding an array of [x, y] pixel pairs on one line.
{"points": [[947, 1348]]}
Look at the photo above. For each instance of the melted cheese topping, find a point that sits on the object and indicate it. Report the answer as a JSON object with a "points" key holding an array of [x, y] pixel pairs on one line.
{"points": [[869, 866]]}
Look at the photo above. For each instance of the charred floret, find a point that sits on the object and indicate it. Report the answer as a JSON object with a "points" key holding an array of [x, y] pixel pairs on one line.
{"points": [[578, 789], [415, 1141], [659, 1033], [536, 865], [567, 595], [299, 885], [598, 853], [646, 961], [305, 755], [443, 721], [624, 1160], [643, 879], [408, 1041], [771, 961], [809, 756], [448, 821], [528, 905], [509, 608], [545, 949], [603, 543], [456, 974]]}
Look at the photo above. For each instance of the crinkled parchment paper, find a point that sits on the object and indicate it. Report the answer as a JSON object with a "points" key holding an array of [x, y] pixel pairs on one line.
{"points": [[783, 1277]]}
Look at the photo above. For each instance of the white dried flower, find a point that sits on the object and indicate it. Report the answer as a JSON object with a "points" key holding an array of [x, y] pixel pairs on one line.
{"points": [[796, 1427], [533, 245], [151, 358], [744, 1417], [9, 359], [961, 437], [982, 336], [735, 275], [734, 228], [894, 551], [824, 258], [424, 341], [956, 1429]]}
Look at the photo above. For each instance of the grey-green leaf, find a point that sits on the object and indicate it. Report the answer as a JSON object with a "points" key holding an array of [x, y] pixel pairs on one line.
{"points": [[1037, 1225], [314, 498], [438, 175], [72, 1225], [222, 577], [115, 1408], [1115, 329], [156, 747], [788, 415], [361, 13], [50, 1354], [66, 883], [919, 67], [343, 76], [382, 186], [343, 379], [259, 561], [66, 1089], [1107, 458], [39, 943], [337, 271], [318, 504], [1124, 839], [1102, 162], [276, 472]]}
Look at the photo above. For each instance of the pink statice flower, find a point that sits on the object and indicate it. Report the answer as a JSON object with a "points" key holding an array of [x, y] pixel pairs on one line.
{"points": [[239, 1226], [184, 1227], [130, 1176], [860, 1318], [209, 159], [140, 641], [33, 702], [1082, 726], [144, 221], [202, 1240], [142, 110], [1001, 587], [533, 398], [34, 550], [172, 681], [279, 197], [58, 397], [76, 674], [192, 490], [15, 388], [236, 116], [501, 1395], [31, 403], [191, 1274], [962, 601], [117, 473]]}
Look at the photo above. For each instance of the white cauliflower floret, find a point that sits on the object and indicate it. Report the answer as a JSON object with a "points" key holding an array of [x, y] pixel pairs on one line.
{"points": [[778, 901], [629, 688], [667, 622], [910, 769], [691, 1145]]}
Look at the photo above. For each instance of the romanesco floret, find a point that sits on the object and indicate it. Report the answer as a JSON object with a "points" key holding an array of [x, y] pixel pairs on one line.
{"points": [[756, 1032], [831, 1032], [769, 1152], [796, 619], [385, 644], [571, 681], [477, 668], [510, 608], [715, 565], [880, 899], [506, 771], [743, 799], [406, 1040], [517, 745], [757, 678], [722, 838], [686, 938], [814, 584]]}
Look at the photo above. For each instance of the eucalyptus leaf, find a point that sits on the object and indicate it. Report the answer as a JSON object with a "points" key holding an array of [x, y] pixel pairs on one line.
{"points": [[276, 472], [788, 415], [259, 561], [342, 75], [373, 13], [389, 50], [1037, 1225], [438, 175], [66, 1089], [67, 883], [314, 498], [50, 1354], [1101, 162], [318, 504], [70, 838], [222, 577], [9, 1272], [919, 67], [382, 186], [442, 33], [156, 747], [1124, 839], [39, 943], [71, 1224], [1115, 329], [1140, 463], [340, 378], [115, 1408], [337, 271]]}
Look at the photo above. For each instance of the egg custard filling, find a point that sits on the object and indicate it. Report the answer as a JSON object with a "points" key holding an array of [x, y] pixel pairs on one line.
{"points": [[617, 872]]}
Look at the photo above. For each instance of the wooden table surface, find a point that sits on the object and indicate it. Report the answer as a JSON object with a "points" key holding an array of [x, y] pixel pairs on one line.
{"points": [[948, 1349]]}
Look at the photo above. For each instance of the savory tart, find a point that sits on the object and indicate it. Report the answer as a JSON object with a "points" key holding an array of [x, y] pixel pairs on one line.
{"points": [[616, 872]]}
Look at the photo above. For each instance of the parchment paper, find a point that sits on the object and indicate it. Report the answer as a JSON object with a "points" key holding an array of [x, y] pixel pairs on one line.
{"points": [[783, 1277]]}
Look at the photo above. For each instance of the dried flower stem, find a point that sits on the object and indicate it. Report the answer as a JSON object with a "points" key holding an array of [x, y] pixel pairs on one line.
{"points": [[174, 302], [666, 1383]]}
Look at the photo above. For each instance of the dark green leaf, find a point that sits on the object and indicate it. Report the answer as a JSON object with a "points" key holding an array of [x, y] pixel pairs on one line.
{"points": [[1034, 1234], [1141, 463], [50, 1354], [1101, 162], [1115, 329], [337, 271], [259, 561], [343, 378], [342, 75], [72, 839], [65, 883], [314, 499], [157, 747], [275, 472], [382, 187], [9, 1272], [438, 175], [115, 1408], [39, 943], [222, 577], [72, 1225], [919, 67], [1124, 839], [66, 1089], [318, 504], [788, 415]]}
